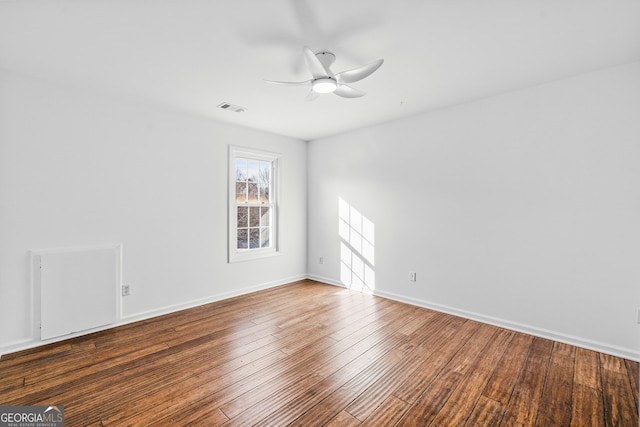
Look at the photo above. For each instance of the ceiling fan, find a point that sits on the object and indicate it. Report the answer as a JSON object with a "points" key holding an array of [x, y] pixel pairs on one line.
{"points": [[325, 81]]}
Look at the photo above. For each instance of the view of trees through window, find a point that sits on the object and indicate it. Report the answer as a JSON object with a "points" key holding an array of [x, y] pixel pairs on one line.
{"points": [[253, 204]]}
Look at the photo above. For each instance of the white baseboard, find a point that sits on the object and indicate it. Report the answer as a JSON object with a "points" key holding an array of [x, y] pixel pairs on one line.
{"points": [[219, 297], [613, 350], [625, 353], [28, 343], [325, 280]]}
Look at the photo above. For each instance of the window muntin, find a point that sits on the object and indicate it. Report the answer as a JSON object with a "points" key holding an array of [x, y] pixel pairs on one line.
{"points": [[252, 204]]}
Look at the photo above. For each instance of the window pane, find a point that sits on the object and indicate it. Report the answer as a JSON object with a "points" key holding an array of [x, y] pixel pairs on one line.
{"points": [[243, 216], [254, 238], [265, 179], [241, 169], [254, 168], [241, 192], [265, 218], [254, 217], [265, 171], [253, 193], [264, 194], [264, 237], [242, 239]]}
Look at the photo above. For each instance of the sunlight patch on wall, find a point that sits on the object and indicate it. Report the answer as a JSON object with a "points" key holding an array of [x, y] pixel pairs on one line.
{"points": [[357, 249]]}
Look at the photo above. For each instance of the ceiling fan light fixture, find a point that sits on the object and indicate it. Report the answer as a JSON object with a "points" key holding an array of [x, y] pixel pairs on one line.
{"points": [[324, 85], [325, 81]]}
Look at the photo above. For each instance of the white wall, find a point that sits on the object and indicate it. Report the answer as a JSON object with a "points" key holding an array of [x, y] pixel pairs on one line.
{"points": [[83, 169], [521, 210]]}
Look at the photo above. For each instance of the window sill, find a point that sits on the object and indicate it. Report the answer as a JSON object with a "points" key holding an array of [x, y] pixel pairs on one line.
{"points": [[252, 255]]}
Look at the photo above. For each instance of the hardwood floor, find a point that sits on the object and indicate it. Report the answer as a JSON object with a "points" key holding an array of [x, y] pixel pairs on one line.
{"points": [[309, 354]]}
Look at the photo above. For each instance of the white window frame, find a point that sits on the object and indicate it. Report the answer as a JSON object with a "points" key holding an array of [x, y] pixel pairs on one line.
{"points": [[236, 254]]}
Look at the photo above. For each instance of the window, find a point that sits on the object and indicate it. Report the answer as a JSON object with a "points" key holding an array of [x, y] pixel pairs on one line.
{"points": [[252, 203]]}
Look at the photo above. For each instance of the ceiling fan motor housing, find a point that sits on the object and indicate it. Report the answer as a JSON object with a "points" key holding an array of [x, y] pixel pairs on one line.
{"points": [[325, 81], [326, 58], [324, 85]]}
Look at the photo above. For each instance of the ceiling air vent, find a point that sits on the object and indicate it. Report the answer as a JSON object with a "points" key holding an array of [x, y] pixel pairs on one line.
{"points": [[231, 107]]}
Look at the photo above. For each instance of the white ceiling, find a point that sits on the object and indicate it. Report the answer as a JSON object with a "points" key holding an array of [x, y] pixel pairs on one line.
{"points": [[191, 55]]}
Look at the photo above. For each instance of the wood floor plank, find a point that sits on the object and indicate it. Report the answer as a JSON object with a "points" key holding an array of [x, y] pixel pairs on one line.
{"points": [[274, 386], [416, 322], [329, 407], [377, 313], [175, 376], [558, 388], [525, 400], [463, 399], [503, 380], [612, 363], [413, 387], [320, 391], [487, 412], [430, 403], [427, 406], [619, 404], [343, 419], [101, 374], [269, 396], [199, 417], [349, 374], [33, 355], [246, 383], [346, 366], [308, 354], [83, 399], [587, 369], [268, 402], [388, 413], [271, 393], [381, 390], [587, 408], [184, 394], [634, 378]]}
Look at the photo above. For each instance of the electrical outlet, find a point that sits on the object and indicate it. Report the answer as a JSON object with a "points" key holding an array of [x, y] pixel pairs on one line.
{"points": [[126, 290], [321, 260], [412, 276]]}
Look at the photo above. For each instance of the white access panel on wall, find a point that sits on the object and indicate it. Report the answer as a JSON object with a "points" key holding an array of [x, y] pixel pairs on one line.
{"points": [[78, 289]]}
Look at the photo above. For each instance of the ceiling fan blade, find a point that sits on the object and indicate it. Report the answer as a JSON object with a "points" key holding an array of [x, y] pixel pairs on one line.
{"points": [[307, 21], [312, 96], [348, 92], [359, 73], [306, 82], [315, 66]]}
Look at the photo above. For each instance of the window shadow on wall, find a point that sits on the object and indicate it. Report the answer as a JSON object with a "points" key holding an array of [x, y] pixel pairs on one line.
{"points": [[357, 249]]}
